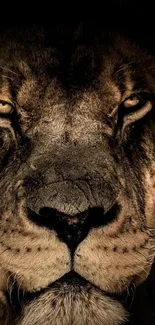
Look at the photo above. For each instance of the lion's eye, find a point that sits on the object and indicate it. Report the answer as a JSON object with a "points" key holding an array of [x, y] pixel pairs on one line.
{"points": [[5, 107], [132, 101], [134, 108], [135, 101]]}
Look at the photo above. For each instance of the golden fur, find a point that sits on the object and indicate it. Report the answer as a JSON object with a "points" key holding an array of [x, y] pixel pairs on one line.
{"points": [[77, 136]]}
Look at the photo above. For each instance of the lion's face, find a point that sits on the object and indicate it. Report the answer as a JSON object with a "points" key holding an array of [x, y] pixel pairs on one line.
{"points": [[77, 177]]}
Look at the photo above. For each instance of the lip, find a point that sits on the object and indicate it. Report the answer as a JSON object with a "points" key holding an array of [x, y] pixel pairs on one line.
{"points": [[19, 297]]}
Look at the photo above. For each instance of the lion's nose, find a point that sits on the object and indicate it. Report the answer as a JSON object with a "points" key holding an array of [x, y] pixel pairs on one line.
{"points": [[72, 229]]}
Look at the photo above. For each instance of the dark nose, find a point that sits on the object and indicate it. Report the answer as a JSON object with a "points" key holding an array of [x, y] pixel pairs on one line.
{"points": [[73, 229]]}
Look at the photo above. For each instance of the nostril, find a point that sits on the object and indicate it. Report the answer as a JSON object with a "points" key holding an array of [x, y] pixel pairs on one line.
{"points": [[36, 218], [99, 218], [73, 229], [70, 229], [45, 217]]}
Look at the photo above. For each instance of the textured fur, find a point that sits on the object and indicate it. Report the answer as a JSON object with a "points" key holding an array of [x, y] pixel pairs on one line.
{"points": [[76, 136], [74, 305]]}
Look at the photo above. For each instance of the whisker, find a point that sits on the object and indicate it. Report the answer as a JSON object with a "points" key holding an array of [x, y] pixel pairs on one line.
{"points": [[124, 67], [8, 69], [11, 289], [133, 290], [6, 249], [148, 227], [8, 77]]}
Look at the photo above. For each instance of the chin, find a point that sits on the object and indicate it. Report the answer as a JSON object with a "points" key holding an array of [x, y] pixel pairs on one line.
{"points": [[72, 301]]}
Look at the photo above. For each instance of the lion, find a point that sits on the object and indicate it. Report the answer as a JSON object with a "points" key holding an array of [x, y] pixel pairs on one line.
{"points": [[77, 174]]}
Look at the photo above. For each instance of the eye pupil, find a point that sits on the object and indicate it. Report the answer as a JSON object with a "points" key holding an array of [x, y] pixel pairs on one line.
{"points": [[5, 107], [132, 101], [136, 100]]}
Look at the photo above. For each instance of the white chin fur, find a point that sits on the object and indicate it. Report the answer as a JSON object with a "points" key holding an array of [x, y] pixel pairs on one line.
{"points": [[73, 305]]}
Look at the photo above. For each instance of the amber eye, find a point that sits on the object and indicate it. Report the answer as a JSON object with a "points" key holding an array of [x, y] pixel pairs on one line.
{"points": [[5, 107], [132, 101], [134, 108], [136, 101]]}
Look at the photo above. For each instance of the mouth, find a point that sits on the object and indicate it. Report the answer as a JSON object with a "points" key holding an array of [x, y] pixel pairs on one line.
{"points": [[72, 281]]}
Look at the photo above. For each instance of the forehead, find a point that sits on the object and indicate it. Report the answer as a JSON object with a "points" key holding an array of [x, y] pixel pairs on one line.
{"points": [[74, 57], [73, 51]]}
